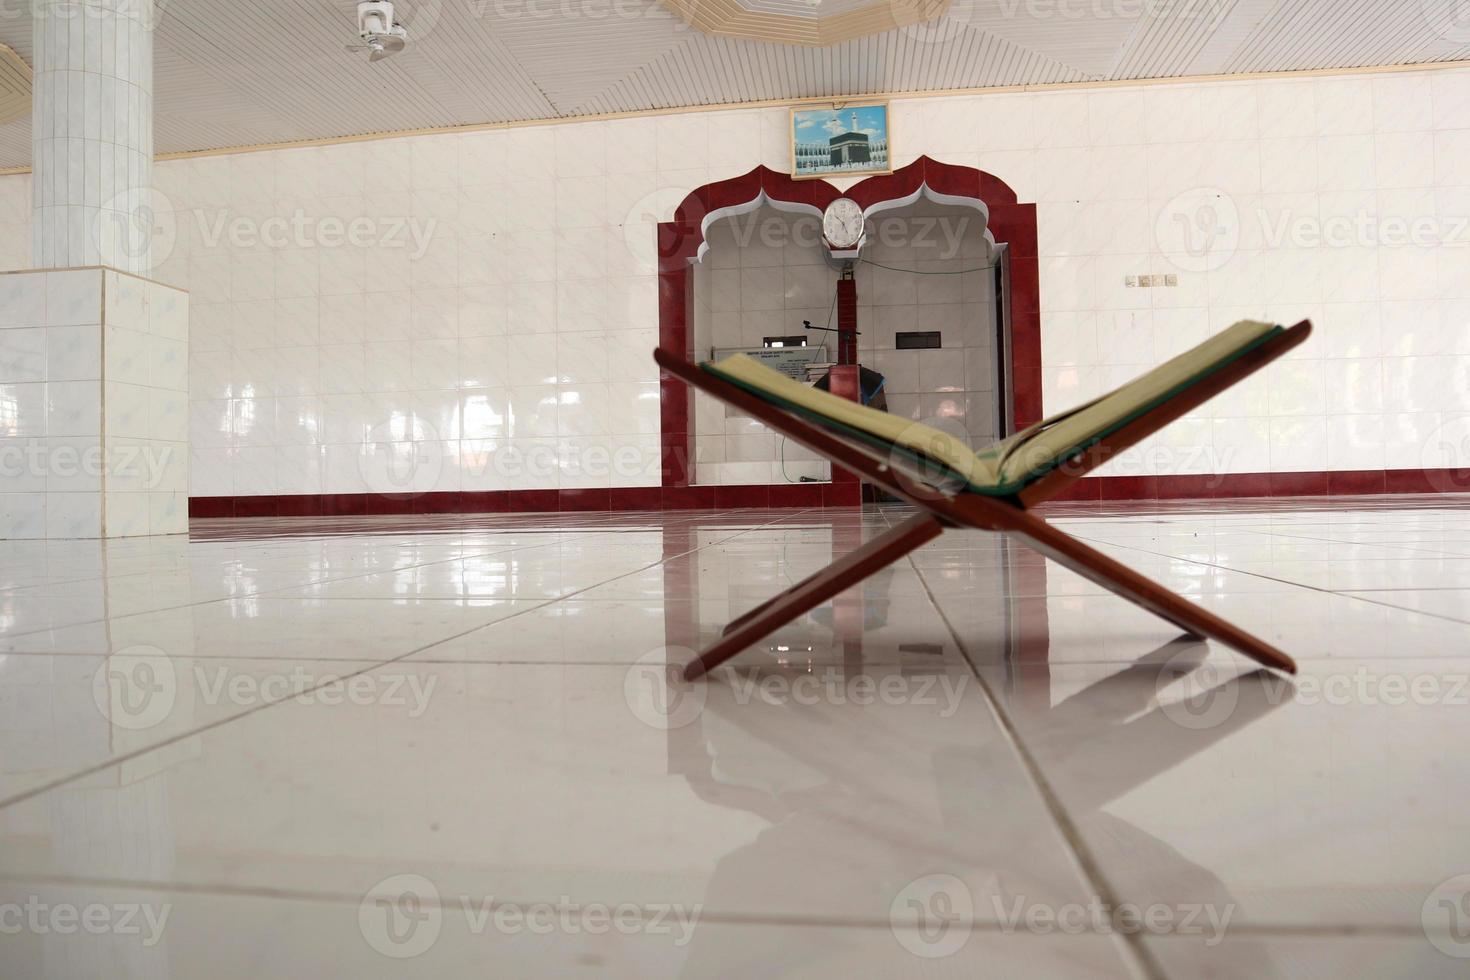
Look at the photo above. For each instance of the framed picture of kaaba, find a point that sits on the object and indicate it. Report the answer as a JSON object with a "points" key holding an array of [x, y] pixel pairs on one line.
{"points": [[840, 142]]}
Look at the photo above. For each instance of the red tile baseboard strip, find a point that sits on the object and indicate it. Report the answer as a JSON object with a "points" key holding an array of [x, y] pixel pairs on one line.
{"points": [[801, 495], [1224, 485], [796, 495]]}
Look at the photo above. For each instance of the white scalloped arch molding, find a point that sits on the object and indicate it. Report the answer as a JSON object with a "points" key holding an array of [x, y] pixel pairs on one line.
{"points": [[929, 194], [877, 207]]}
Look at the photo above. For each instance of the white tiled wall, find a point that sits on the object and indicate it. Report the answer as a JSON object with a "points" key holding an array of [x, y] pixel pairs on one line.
{"points": [[507, 346], [512, 350], [1301, 188], [94, 390]]}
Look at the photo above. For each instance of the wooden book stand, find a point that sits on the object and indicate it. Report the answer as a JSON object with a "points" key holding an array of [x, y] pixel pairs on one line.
{"points": [[940, 509]]}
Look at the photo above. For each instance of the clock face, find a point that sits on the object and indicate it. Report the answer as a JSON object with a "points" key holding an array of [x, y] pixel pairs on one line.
{"points": [[842, 223]]}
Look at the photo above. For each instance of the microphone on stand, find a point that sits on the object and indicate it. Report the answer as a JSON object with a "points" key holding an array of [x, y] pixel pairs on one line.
{"points": [[807, 325]]}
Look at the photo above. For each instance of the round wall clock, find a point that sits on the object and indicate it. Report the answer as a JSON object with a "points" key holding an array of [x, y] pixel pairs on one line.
{"points": [[842, 223]]}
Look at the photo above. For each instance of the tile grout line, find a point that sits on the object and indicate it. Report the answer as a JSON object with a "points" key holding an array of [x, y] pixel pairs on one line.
{"points": [[143, 750], [1131, 948], [878, 662], [1406, 552], [102, 412], [1345, 593], [327, 897]]}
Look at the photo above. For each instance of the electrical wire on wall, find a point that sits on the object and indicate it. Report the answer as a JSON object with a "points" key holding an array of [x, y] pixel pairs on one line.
{"points": [[926, 272], [784, 475]]}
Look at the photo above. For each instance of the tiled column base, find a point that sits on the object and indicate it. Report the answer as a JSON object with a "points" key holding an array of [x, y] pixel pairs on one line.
{"points": [[94, 393]]}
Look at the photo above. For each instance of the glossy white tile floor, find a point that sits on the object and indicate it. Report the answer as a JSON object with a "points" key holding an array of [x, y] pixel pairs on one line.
{"points": [[445, 747]]}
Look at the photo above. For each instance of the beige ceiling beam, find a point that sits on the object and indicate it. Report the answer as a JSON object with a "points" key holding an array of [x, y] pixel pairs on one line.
{"points": [[730, 18], [15, 85]]}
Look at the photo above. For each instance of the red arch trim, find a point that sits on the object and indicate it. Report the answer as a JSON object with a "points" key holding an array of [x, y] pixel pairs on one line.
{"points": [[945, 178]]}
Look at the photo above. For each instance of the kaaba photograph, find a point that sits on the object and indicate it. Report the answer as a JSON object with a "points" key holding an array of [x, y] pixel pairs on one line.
{"points": [[850, 140]]}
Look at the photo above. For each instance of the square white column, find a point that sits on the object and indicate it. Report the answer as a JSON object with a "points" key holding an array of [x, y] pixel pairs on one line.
{"points": [[94, 397]]}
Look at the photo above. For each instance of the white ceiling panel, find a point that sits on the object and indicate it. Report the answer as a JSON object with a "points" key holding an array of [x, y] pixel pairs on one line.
{"points": [[1168, 38], [704, 68], [1350, 33], [1085, 34]]}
